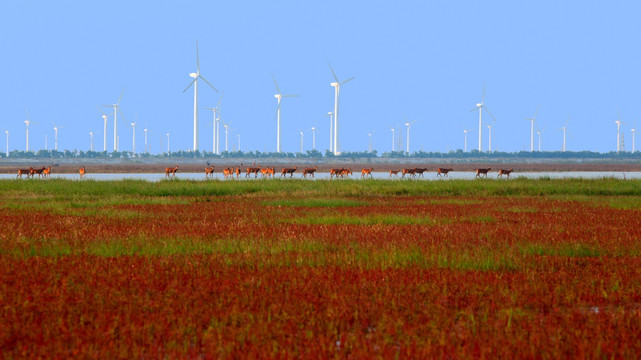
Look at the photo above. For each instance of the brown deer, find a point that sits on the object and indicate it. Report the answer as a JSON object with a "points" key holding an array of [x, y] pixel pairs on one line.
{"points": [[443, 172], [24, 172], [393, 172], [289, 171], [419, 171], [410, 172], [82, 172], [209, 171], [309, 171], [47, 172], [237, 171], [171, 171], [228, 173], [335, 172], [253, 170], [504, 172], [366, 172], [346, 172], [483, 172]]}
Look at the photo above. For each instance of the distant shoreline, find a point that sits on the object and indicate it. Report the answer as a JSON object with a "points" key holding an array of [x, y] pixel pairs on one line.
{"points": [[66, 166]]}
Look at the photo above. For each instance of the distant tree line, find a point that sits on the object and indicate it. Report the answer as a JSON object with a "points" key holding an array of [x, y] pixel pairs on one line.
{"points": [[315, 154]]}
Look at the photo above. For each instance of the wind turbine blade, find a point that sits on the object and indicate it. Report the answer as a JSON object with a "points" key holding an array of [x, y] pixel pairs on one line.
{"points": [[536, 112], [207, 82], [121, 94], [275, 83], [476, 108], [488, 111], [122, 116], [190, 84], [28, 119], [219, 99], [348, 80], [197, 58], [101, 110], [483, 98], [290, 95], [333, 73]]}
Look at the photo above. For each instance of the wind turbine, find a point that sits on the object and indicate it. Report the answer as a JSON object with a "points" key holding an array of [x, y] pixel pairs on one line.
{"points": [[279, 96], [197, 76], [313, 137], [301, 141], [116, 107], [465, 132], [104, 117], [619, 122], [393, 139], [633, 133], [227, 129], [55, 132], [331, 131], [489, 144], [7, 132], [532, 119], [408, 124], [167, 143], [133, 126], [216, 111], [238, 136], [540, 132], [91, 143], [337, 86], [28, 122], [370, 140], [564, 129], [480, 106]]}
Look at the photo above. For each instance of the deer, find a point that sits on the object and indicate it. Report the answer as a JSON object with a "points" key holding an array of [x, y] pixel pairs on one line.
{"points": [[209, 171], [47, 172], [419, 171], [171, 171], [346, 172], [309, 171], [335, 172], [366, 172], [504, 172], [480, 172], [253, 170], [237, 171], [37, 172], [443, 172], [271, 172], [228, 173], [393, 172], [82, 172], [289, 171], [24, 172], [410, 172]]}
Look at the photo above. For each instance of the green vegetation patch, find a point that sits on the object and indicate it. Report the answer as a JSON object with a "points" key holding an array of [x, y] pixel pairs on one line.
{"points": [[320, 203]]}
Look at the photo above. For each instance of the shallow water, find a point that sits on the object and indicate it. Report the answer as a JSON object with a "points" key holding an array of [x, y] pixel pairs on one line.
{"points": [[376, 175]]}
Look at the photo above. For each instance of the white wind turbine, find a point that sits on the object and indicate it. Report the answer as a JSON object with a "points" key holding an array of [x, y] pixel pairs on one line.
{"points": [[331, 131], [55, 136], [633, 134], [227, 129], [197, 76], [167, 143], [393, 139], [133, 126], [279, 97], [216, 131], [104, 117], [28, 122], [7, 132], [619, 122], [313, 137], [489, 144], [532, 120], [370, 140], [465, 132], [565, 130], [408, 124], [91, 141], [116, 107], [540, 132], [301, 141], [337, 85], [480, 106]]}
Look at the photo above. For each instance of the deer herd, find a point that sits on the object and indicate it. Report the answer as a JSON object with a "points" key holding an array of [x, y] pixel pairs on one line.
{"points": [[267, 172]]}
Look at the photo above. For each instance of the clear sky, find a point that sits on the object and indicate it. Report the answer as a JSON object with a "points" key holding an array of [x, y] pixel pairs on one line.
{"points": [[424, 60]]}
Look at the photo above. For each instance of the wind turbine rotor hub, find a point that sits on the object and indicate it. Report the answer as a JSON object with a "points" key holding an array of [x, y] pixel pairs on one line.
{"points": [[334, 84], [193, 75]]}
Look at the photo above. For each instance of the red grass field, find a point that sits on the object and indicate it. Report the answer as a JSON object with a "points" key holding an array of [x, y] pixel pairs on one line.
{"points": [[272, 276]]}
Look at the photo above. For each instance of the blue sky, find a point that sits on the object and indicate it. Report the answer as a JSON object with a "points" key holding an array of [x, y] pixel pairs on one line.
{"points": [[424, 60]]}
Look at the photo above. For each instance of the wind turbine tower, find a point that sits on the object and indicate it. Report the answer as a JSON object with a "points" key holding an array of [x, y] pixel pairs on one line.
{"points": [[337, 86], [408, 124], [633, 133], [91, 141], [7, 132], [480, 106], [133, 126], [393, 139], [216, 111], [331, 131], [489, 144], [564, 129], [197, 76], [116, 107], [301, 142], [279, 97], [465, 145], [313, 138], [532, 119], [167, 143], [28, 121], [55, 136], [619, 122], [540, 132]]}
